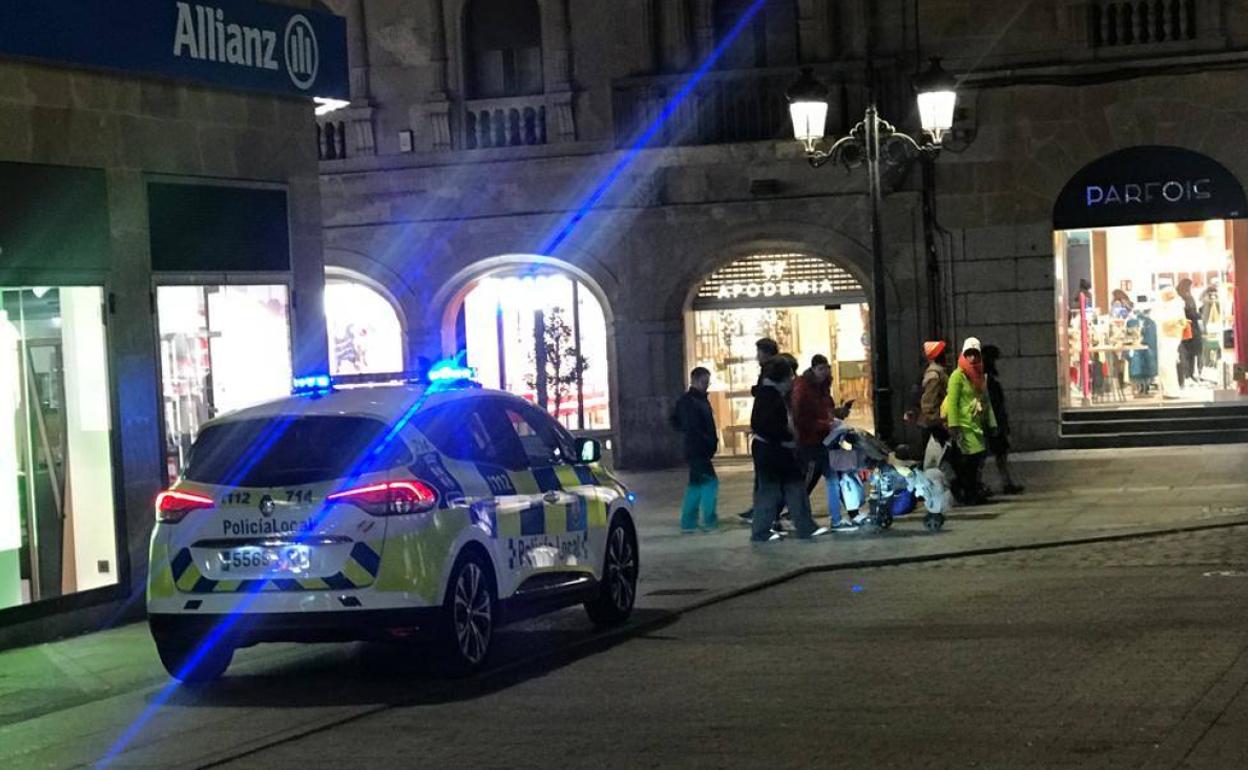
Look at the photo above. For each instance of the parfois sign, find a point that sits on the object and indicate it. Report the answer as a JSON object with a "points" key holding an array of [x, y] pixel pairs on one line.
{"points": [[1149, 185], [234, 44]]}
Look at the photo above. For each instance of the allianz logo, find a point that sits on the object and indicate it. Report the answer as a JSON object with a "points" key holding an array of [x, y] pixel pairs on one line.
{"points": [[203, 33]]}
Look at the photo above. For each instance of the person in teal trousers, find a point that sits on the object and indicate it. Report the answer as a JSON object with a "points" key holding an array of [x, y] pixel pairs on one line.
{"points": [[694, 418], [968, 411]]}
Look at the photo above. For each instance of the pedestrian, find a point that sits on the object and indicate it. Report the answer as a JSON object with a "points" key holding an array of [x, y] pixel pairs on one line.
{"points": [[764, 351], [814, 410], [933, 387], [774, 449], [694, 418], [968, 412], [1193, 336], [999, 439]]}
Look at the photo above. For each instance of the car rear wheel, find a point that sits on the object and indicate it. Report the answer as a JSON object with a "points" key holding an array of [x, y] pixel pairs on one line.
{"points": [[617, 590], [193, 660], [469, 616]]}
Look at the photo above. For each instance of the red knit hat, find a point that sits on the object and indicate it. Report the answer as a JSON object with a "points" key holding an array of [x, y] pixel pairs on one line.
{"points": [[933, 349]]}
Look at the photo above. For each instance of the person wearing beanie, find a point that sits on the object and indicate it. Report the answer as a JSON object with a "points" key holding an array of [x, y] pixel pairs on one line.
{"points": [[968, 412], [814, 410], [934, 386]]}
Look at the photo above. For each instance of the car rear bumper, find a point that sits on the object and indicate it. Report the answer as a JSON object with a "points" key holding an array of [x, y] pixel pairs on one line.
{"points": [[250, 628]]}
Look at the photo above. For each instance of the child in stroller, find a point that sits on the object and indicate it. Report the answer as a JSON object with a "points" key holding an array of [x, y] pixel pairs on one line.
{"points": [[895, 486]]}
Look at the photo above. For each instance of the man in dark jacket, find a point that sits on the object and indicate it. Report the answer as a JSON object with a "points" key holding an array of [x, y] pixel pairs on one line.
{"points": [[694, 418], [777, 471], [765, 351], [814, 410]]}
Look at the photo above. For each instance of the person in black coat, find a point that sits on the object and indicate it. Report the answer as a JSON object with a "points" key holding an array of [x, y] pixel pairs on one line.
{"points": [[765, 351], [999, 440], [777, 470], [694, 418]]}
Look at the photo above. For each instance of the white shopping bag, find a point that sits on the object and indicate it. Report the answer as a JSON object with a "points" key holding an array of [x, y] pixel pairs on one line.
{"points": [[933, 454], [937, 499], [852, 492]]}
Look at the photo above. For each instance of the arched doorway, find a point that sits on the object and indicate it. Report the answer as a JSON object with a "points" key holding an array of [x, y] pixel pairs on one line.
{"points": [[365, 330], [1148, 242], [807, 304], [539, 332]]}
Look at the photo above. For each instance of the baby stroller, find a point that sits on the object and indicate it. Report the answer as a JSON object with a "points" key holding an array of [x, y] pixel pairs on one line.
{"points": [[895, 486]]}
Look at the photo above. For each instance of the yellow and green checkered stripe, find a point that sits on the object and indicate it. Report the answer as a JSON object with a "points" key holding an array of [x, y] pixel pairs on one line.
{"points": [[359, 571]]}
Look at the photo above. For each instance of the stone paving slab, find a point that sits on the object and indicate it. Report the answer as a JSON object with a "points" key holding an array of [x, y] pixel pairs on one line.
{"points": [[1071, 495]]}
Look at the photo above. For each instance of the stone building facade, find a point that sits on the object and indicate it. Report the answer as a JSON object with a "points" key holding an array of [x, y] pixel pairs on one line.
{"points": [[103, 172], [593, 143]]}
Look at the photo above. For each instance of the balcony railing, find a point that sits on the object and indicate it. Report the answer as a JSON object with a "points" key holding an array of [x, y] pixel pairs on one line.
{"points": [[509, 122], [331, 139], [1120, 24]]}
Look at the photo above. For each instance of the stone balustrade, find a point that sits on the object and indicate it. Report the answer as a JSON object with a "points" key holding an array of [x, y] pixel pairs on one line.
{"points": [[506, 122]]}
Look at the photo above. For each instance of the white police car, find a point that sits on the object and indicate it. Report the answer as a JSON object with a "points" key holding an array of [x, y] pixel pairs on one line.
{"points": [[389, 512]]}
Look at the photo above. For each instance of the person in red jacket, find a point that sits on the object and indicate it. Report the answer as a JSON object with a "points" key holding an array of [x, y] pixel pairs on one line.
{"points": [[814, 410]]}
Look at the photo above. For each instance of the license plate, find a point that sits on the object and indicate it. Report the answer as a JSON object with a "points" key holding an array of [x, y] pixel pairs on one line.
{"points": [[267, 560]]}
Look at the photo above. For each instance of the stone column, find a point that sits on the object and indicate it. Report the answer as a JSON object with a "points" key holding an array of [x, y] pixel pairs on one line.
{"points": [[647, 54], [674, 28], [357, 52], [555, 43], [556, 37], [814, 35], [704, 27], [438, 104]]}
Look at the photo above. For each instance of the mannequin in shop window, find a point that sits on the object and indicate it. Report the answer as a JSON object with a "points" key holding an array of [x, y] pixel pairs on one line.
{"points": [[1212, 323], [1171, 321], [1142, 330], [1190, 347]]}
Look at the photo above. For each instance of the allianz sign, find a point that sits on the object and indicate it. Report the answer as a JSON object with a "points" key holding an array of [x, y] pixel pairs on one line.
{"points": [[204, 33]]}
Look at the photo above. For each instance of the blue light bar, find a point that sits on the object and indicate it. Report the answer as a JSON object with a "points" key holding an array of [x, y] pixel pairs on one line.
{"points": [[448, 371], [316, 383]]}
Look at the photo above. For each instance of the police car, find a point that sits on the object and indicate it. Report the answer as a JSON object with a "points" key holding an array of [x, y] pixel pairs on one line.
{"points": [[436, 511]]}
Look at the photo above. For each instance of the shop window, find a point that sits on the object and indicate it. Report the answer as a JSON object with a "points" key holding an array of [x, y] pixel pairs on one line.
{"points": [[222, 348], [543, 337], [504, 48], [365, 336], [57, 516], [806, 304], [1148, 314]]}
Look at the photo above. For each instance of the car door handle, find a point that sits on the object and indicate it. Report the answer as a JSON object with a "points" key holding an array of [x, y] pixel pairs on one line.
{"points": [[552, 497]]}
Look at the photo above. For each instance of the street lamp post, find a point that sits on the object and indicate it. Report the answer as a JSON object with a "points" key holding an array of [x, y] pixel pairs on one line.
{"points": [[808, 107]]}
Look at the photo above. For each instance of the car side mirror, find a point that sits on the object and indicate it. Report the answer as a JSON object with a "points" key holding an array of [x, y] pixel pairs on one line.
{"points": [[588, 450]]}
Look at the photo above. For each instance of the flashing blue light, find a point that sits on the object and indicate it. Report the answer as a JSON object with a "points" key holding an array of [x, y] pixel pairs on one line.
{"points": [[316, 383], [856, 588], [632, 498], [447, 371]]}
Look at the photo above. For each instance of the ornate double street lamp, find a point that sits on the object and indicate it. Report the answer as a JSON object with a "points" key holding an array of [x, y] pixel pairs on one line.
{"points": [[872, 141]]}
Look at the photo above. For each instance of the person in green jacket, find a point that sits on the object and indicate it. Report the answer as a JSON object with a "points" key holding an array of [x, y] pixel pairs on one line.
{"points": [[968, 411]]}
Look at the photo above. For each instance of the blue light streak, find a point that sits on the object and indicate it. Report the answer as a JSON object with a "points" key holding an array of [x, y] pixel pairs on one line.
{"points": [[647, 135], [550, 246], [221, 631]]}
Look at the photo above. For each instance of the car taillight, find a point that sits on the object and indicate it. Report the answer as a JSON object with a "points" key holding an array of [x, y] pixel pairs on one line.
{"points": [[393, 498], [172, 505]]}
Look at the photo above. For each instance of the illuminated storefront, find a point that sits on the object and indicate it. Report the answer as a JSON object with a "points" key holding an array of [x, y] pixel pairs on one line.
{"points": [[807, 304], [542, 335], [365, 335], [1150, 244], [159, 269]]}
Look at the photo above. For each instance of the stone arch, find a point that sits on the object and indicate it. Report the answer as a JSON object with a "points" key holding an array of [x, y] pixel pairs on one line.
{"points": [[449, 299], [742, 242], [333, 272]]}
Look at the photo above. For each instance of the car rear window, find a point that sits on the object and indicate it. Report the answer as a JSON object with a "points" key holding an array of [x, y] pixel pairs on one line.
{"points": [[287, 451]]}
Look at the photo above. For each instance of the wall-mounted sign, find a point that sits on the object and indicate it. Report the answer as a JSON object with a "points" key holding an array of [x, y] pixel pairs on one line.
{"points": [[772, 280], [1149, 185], [236, 44]]}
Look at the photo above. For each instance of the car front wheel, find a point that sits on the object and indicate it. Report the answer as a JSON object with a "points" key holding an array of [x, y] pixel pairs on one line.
{"points": [[617, 591]]}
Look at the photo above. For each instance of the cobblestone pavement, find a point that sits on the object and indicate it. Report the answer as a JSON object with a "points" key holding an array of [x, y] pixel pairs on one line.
{"points": [[1095, 656], [102, 682]]}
